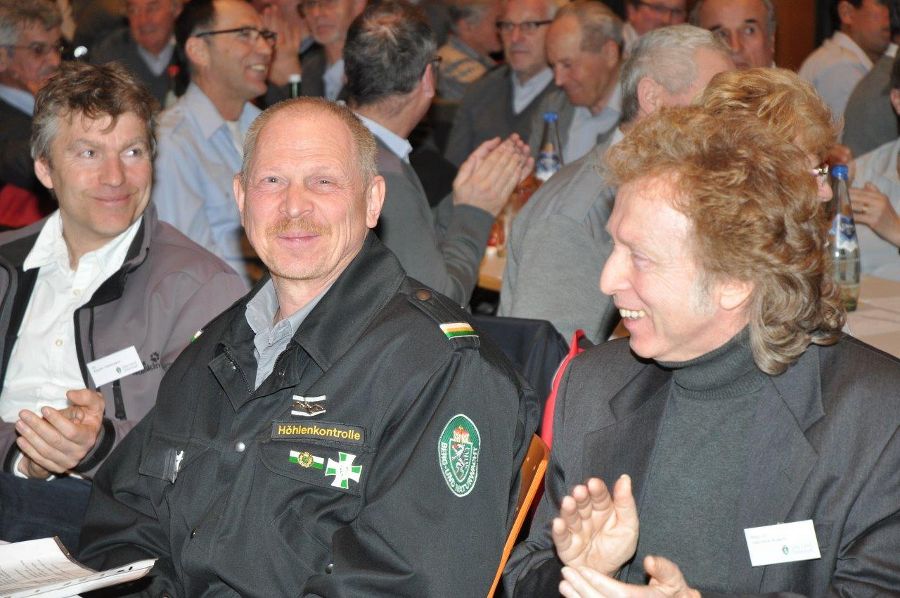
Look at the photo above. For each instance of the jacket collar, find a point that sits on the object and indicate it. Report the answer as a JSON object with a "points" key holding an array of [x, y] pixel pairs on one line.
{"points": [[370, 281]]}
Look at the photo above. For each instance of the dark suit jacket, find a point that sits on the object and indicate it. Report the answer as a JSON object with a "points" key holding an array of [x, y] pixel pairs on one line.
{"points": [[120, 47], [446, 260], [314, 64], [869, 118], [486, 111], [16, 166], [825, 445]]}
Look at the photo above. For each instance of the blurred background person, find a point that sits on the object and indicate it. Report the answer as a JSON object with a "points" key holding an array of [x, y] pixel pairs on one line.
{"points": [[747, 27]]}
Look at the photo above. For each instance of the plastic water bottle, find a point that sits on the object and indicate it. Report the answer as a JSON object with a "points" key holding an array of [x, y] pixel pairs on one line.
{"points": [[549, 158], [842, 241], [294, 83]]}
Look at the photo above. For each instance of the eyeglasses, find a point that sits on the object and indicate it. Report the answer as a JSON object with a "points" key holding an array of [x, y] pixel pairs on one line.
{"points": [[41, 49], [664, 10], [249, 35], [526, 27], [306, 6], [821, 173]]}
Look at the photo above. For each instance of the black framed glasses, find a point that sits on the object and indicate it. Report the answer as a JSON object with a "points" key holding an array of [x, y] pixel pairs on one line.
{"points": [[40, 49], [526, 27], [249, 35], [664, 10]]}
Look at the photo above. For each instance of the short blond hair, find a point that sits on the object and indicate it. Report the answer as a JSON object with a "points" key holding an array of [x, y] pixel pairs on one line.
{"points": [[751, 201]]}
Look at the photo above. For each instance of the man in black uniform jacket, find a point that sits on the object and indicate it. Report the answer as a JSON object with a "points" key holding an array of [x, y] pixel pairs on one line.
{"points": [[341, 430]]}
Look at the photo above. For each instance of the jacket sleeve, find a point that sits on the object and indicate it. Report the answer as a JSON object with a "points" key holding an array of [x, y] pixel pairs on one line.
{"points": [[533, 569], [122, 524], [203, 300], [418, 534], [449, 265]]}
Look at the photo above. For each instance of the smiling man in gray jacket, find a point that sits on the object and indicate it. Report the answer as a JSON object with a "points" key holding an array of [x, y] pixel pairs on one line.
{"points": [[97, 300]]}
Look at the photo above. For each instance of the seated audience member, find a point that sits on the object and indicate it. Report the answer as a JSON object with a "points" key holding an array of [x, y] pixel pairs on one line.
{"points": [[747, 27], [390, 76], [146, 47], [285, 18], [99, 285], [842, 60], [732, 392], [559, 240], [641, 17], [583, 47], [869, 118], [323, 64], [201, 136], [319, 435], [30, 42], [465, 57], [504, 100], [875, 197]]}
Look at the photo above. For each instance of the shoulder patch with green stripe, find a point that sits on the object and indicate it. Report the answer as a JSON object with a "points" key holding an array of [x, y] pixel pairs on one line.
{"points": [[457, 329]]}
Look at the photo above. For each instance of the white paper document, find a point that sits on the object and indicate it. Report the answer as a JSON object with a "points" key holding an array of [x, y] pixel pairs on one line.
{"points": [[782, 543], [45, 568]]}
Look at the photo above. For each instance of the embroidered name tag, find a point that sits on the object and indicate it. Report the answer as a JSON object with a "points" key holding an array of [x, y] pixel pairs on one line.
{"points": [[291, 430]]}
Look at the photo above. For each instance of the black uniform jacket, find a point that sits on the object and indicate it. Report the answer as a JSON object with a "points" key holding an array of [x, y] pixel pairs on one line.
{"points": [[380, 457]]}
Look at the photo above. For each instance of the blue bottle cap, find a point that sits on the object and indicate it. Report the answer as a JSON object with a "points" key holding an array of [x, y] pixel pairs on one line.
{"points": [[551, 117], [840, 171]]}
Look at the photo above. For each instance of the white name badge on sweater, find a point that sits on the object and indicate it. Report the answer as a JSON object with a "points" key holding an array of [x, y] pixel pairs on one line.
{"points": [[782, 543], [115, 365]]}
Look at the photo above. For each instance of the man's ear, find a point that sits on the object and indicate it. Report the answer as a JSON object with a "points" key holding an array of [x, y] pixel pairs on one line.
{"points": [[846, 12], [42, 171], [895, 100], [238, 187], [649, 95], [734, 294], [611, 53], [374, 201], [429, 81], [197, 51]]}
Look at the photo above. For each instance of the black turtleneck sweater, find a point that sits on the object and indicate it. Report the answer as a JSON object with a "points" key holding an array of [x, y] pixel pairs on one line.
{"points": [[698, 464]]}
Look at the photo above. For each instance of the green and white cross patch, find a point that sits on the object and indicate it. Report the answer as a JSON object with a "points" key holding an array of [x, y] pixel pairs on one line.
{"points": [[343, 470], [458, 449]]}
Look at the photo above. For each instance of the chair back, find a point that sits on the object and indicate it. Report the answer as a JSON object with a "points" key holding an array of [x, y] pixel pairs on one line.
{"points": [[532, 475]]}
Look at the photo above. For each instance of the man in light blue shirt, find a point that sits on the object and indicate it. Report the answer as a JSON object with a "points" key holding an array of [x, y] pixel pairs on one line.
{"points": [[201, 136]]}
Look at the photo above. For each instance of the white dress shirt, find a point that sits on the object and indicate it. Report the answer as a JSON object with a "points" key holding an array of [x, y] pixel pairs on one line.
{"points": [[879, 167], [524, 93], [834, 69], [587, 127], [43, 364]]}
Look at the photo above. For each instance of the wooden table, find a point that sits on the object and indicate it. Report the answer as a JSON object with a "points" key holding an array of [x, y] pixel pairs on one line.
{"points": [[877, 317], [490, 274]]}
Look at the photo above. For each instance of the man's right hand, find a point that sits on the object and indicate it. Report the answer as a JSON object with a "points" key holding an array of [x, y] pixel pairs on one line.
{"points": [[32, 470], [595, 529], [490, 173]]}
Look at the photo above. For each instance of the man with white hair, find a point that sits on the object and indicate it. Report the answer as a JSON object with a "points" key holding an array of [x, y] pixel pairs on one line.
{"points": [[559, 241], [584, 49]]}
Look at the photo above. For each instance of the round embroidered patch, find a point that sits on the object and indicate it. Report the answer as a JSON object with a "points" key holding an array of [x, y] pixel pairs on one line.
{"points": [[458, 449]]}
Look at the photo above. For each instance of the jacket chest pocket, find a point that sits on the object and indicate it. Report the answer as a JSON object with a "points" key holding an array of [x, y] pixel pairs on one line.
{"points": [[324, 454]]}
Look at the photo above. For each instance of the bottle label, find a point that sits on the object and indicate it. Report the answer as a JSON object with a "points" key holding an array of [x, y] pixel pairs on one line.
{"points": [[547, 165], [846, 233]]}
